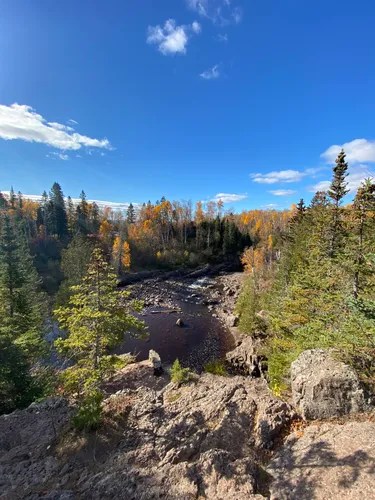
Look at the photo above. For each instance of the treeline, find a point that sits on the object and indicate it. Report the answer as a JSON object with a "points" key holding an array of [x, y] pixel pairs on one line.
{"points": [[320, 291], [48, 250]]}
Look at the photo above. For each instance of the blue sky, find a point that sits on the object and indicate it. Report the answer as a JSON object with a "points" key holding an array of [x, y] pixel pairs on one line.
{"points": [[185, 98]]}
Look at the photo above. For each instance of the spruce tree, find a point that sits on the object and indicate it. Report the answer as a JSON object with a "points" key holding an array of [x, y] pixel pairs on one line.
{"points": [[361, 241], [336, 192], [71, 217], [21, 319], [94, 219], [130, 214], [97, 318], [82, 214], [60, 222], [22, 303]]}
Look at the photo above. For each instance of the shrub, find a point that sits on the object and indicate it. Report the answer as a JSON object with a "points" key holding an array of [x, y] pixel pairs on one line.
{"points": [[89, 415], [179, 375], [216, 367]]}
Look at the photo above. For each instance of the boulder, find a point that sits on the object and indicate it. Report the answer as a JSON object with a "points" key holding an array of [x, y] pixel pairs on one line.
{"points": [[244, 359], [180, 323], [323, 387], [155, 359], [232, 320]]}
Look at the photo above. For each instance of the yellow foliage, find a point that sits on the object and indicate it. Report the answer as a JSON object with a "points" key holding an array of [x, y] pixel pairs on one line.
{"points": [[158, 255], [105, 230], [125, 258]]}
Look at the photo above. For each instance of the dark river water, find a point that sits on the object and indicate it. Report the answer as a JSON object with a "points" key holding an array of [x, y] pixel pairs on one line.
{"points": [[201, 340]]}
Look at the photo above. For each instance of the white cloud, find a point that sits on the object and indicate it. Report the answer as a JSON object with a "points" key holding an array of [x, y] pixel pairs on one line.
{"points": [[196, 27], [270, 206], [219, 12], [172, 39], [23, 123], [282, 192], [357, 175], [60, 156], [278, 176], [211, 74], [357, 151], [222, 38], [229, 198], [72, 122], [59, 126]]}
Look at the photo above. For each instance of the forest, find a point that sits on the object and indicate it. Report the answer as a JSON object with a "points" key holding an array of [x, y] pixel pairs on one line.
{"points": [[309, 281]]}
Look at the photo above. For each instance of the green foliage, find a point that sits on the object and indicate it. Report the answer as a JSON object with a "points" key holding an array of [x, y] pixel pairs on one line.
{"points": [[216, 367], [89, 415], [96, 318], [74, 262], [322, 293], [179, 375]]}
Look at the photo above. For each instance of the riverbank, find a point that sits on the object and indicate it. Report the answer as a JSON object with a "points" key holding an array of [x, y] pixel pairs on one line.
{"points": [[201, 303]]}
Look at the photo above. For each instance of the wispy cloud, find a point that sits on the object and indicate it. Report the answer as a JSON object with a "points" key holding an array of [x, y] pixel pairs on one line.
{"points": [[357, 151], [284, 176], [23, 123], [172, 39], [222, 38], [282, 192], [212, 73], [229, 198], [220, 12], [54, 155], [72, 122], [101, 204], [278, 176], [270, 206], [357, 174]]}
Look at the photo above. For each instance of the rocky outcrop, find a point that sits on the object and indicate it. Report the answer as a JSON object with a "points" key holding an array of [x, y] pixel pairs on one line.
{"points": [[324, 387], [203, 440], [25, 438], [329, 461], [244, 359]]}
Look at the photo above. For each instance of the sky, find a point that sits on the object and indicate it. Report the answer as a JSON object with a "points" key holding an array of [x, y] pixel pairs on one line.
{"points": [[248, 101]]}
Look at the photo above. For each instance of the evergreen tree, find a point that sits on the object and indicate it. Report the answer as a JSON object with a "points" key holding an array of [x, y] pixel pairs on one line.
{"points": [[3, 202], [21, 320], [12, 199], [95, 222], [71, 217], [60, 222], [130, 214], [82, 214], [97, 317], [362, 239], [336, 192], [22, 304]]}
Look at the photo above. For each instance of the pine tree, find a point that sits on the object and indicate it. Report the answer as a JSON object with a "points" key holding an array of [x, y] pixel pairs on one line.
{"points": [[60, 222], [96, 319], [336, 192], [3, 202], [362, 210], [12, 199], [71, 217], [94, 222], [22, 304], [82, 213], [22, 316], [130, 214]]}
